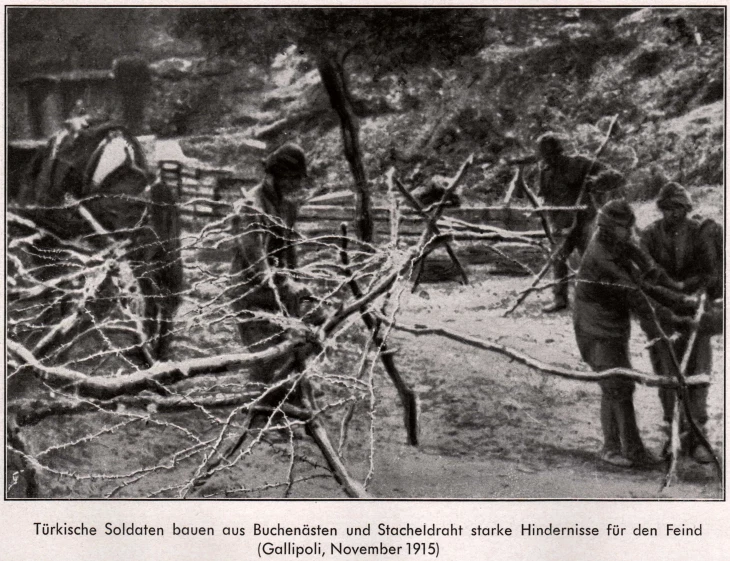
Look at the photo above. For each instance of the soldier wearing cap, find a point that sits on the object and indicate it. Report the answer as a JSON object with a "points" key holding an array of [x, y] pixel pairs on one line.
{"points": [[677, 244], [263, 291], [608, 290], [562, 179]]}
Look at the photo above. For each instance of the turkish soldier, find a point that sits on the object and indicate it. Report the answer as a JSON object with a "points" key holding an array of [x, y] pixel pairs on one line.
{"points": [[263, 290], [562, 179], [678, 245], [608, 290]]}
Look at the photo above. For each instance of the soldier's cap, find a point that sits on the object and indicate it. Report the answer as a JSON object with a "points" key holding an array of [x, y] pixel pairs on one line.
{"points": [[673, 195], [616, 213], [607, 180], [550, 142], [289, 159]]}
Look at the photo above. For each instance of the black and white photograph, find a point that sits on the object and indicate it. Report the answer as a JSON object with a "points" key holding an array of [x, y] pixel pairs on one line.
{"points": [[406, 253]]}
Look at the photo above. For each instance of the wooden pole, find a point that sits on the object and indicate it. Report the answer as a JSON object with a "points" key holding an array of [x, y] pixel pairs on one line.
{"points": [[432, 220], [535, 203], [683, 392], [408, 397], [333, 77]]}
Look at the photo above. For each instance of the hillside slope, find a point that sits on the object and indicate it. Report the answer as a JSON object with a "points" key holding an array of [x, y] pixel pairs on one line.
{"points": [[660, 71]]}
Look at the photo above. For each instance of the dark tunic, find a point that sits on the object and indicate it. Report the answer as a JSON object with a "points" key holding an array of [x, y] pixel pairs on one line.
{"points": [[607, 291], [713, 239], [264, 253], [684, 254], [561, 184]]}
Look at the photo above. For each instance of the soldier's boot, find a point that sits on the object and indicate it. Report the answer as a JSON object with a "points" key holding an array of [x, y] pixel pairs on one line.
{"points": [[611, 452], [560, 290], [695, 443], [560, 303], [639, 456], [699, 451]]}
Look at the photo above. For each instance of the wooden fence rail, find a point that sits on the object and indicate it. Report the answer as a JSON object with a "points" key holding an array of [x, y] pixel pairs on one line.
{"points": [[205, 195]]}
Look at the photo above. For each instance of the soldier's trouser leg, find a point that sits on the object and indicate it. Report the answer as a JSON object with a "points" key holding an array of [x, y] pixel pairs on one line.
{"points": [[577, 240], [663, 365], [560, 271], [700, 362], [618, 417], [623, 397], [619, 398], [609, 425]]}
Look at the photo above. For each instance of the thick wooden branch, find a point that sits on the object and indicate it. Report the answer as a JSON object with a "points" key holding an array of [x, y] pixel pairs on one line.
{"points": [[408, 397], [318, 432], [28, 412], [651, 380], [334, 80], [682, 390], [491, 232], [512, 186], [536, 279], [432, 227], [536, 204], [450, 188], [152, 378]]}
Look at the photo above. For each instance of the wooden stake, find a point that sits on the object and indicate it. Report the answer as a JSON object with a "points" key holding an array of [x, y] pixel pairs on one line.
{"points": [[431, 228], [408, 397]]}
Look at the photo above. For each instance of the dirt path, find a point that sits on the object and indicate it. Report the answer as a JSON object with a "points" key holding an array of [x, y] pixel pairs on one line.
{"points": [[492, 428]]}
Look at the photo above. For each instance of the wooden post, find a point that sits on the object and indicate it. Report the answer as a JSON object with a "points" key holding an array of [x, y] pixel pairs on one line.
{"points": [[432, 220], [408, 397], [333, 78]]}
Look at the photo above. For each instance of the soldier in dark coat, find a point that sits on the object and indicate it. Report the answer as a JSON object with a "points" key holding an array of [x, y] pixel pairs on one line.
{"points": [[713, 239], [562, 179], [678, 245], [263, 291], [608, 290]]}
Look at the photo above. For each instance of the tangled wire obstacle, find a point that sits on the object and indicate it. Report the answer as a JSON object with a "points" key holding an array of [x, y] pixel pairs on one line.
{"points": [[89, 416]]}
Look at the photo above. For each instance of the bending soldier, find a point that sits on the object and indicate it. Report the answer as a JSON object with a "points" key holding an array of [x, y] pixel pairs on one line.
{"points": [[676, 243], [263, 291], [607, 292], [562, 179]]}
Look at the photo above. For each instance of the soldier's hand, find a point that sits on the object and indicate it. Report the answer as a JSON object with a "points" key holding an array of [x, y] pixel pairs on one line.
{"points": [[685, 323], [315, 313]]}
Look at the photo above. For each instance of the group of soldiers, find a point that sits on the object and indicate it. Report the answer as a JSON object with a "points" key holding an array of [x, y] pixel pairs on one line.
{"points": [[656, 277]]}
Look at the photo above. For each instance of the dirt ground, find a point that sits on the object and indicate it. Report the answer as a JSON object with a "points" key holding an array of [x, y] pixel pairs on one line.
{"points": [[491, 428]]}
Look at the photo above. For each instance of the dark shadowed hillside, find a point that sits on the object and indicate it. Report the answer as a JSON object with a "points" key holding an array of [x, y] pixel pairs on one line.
{"points": [[660, 71]]}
